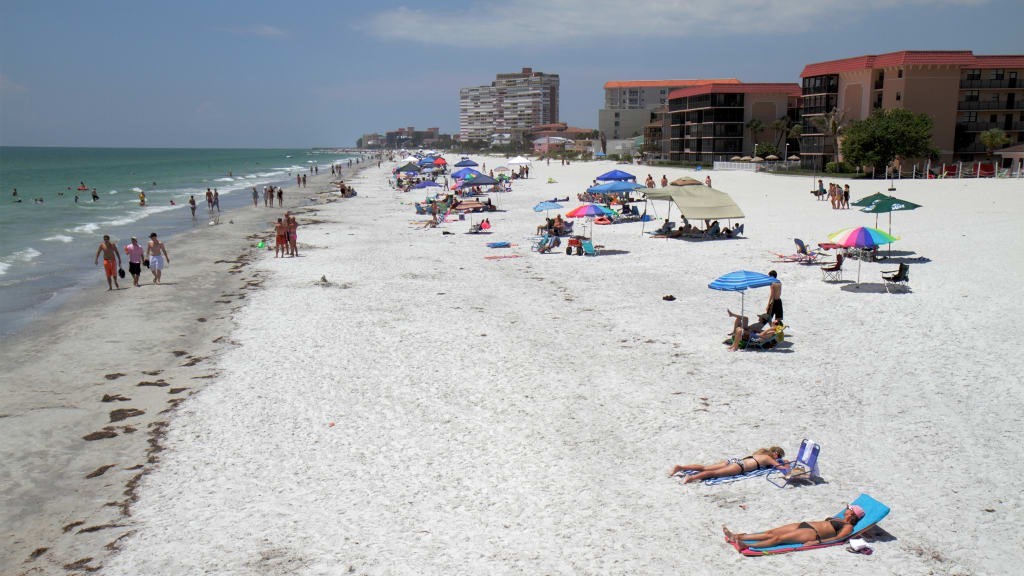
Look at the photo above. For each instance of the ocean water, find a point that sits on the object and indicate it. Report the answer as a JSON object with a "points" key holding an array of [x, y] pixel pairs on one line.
{"points": [[47, 248]]}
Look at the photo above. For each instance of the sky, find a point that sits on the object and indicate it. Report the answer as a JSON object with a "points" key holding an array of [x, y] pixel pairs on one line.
{"points": [[302, 74]]}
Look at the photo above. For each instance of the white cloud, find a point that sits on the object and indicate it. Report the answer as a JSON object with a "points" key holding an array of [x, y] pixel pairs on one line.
{"points": [[8, 86], [518, 22]]}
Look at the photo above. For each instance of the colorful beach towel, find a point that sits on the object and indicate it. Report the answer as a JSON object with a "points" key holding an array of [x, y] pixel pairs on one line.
{"points": [[499, 244]]}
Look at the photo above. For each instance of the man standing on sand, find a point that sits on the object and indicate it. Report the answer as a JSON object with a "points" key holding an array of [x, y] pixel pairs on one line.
{"points": [[774, 309], [156, 252], [110, 267], [664, 180], [135, 253], [280, 239], [255, 197]]}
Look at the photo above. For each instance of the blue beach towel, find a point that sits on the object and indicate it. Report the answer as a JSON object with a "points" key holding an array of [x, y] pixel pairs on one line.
{"points": [[498, 244]]}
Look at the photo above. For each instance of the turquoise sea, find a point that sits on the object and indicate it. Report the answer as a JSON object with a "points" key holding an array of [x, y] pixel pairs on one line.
{"points": [[47, 247]]}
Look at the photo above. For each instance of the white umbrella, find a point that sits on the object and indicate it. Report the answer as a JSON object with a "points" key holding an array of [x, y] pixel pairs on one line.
{"points": [[519, 161]]}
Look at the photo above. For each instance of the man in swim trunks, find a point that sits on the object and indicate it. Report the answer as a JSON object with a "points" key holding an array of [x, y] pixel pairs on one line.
{"points": [[135, 253], [280, 238], [293, 229], [110, 253], [157, 254], [774, 309]]}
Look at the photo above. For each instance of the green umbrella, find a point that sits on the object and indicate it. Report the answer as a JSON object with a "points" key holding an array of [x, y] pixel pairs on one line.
{"points": [[869, 200], [887, 204]]}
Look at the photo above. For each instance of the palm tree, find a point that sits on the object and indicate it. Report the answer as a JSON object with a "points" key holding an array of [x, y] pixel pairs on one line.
{"points": [[756, 127], [992, 139], [781, 129], [832, 125]]}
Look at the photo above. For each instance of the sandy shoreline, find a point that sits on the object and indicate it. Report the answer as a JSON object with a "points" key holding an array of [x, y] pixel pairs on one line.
{"points": [[112, 367], [434, 411]]}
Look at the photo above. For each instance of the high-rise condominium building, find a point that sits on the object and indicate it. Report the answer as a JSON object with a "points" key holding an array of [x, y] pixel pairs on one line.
{"points": [[510, 106], [628, 104]]}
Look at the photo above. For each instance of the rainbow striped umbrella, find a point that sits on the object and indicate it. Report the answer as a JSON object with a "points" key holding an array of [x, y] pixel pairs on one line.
{"points": [[861, 237]]}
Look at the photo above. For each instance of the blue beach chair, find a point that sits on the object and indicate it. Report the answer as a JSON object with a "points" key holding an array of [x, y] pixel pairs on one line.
{"points": [[588, 248], [803, 469]]}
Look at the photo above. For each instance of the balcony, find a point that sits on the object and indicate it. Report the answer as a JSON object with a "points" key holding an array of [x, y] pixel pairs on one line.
{"points": [[879, 84], [976, 84], [989, 106]]}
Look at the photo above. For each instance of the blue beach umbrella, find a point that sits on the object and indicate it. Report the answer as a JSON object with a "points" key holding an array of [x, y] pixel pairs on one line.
{"points": [[615, 186], [546, 206], [427, 184], [465, 162], [466, 172], [481, 180], [616, 175], [740, 281], [428, 161]]}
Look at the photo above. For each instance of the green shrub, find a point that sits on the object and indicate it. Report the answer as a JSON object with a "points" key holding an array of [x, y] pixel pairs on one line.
{"points": [[837, 168]]}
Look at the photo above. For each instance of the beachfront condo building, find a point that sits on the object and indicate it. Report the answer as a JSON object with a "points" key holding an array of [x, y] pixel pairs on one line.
{"points": [[711, 122], [964, 94], [630, 105], [509, 107]]}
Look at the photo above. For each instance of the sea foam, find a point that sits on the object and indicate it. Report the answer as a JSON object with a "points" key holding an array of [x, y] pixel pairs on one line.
{"points": [[59, 238]]}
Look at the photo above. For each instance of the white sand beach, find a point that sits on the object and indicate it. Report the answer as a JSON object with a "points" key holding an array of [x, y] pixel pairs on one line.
{"points": [[432, 411]]}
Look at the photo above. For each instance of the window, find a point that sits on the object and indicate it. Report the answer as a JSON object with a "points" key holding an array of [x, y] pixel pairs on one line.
{"points": [[974, 74], [992, 118], [997, 74], [971, 96], [616, 123], [616, 114], [899, 73], [899, 95], [969, 116]]}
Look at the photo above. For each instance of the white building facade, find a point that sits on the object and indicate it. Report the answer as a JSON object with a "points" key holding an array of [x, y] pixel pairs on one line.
{"points": [[512, 104]]}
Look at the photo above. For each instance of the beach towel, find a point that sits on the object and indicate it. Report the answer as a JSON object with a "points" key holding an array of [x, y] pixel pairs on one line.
{"points": [[874, 512], [498, 244], [729, 479]]}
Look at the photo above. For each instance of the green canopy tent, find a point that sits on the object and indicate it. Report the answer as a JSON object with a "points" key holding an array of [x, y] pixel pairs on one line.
{"points": [[696, 201]]}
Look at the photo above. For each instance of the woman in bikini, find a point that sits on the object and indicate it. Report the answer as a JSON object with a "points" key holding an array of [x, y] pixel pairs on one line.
{"points": [[814, 532], [762, 459]]}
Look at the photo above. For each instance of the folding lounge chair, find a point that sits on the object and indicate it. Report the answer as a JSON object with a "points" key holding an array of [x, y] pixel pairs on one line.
{"points": [[899, 277], [803, 468], [588, 248], [874, 512], [833, 273], [540, 243]]}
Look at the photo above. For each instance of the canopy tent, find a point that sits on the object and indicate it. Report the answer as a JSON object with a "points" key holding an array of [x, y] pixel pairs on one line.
{"points": [[440, 161], [739, 281], [698, 202], [465, 162], [426, 184], [481, 180], [410, 158], [410, 167], [615, 175], [428, 161]]}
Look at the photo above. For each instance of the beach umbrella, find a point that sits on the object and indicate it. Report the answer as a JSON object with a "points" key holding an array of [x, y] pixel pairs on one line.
{"points": [[615, 175], [869, 200], [410, 167], [615, 186], [793, 157], [740, 281], [735, 159], [771, 157], [427, 184], [480, 180], [861, 237], [757, 159], [888, 204], [589, 210], [440, 161], [519, 161], [410, 158], [428, 161], [465, 162], [745, 159], [466, 172], [547, 206], [502, 169]]}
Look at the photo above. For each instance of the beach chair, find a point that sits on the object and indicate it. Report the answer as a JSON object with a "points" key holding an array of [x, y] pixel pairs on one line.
{"points": [[803, 469], [900, 277], [588, 248], [833, 273], [540, 243], [874, 512]]}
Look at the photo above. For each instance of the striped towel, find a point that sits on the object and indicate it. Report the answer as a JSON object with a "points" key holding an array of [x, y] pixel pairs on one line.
{"points": [[729, 479]]}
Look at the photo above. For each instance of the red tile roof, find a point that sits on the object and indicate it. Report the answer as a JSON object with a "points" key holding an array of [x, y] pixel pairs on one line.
{"points": [[962, 58], [786, 88], [667, 83]]}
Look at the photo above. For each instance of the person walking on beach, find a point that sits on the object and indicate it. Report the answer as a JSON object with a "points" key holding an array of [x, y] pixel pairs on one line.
{"points": [[280, 198], [293, 235], [209, 201], [774, 309], [303, 180], [268, 196], [192, 205], [135, 253], [216, 200], [156, 252], [255, 198], [111, 261]]}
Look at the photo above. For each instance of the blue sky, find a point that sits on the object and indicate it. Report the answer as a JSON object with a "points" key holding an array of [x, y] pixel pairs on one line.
{"points": [[300, 74]]}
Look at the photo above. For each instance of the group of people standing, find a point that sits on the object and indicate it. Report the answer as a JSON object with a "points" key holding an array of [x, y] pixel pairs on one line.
{"points": [[153, 256], [838, 196]]}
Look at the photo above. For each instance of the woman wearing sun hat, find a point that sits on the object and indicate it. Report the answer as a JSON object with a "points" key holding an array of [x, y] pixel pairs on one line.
{"points": [[814, 532]]}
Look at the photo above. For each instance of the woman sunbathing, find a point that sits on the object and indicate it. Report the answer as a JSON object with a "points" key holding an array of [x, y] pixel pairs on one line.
{"points": [[762, 459], [814, 532]]}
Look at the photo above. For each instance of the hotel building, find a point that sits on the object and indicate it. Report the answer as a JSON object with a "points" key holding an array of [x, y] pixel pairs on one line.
{"points": [[709, 122], [510, 106], [629, 105], [964, 94]]}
